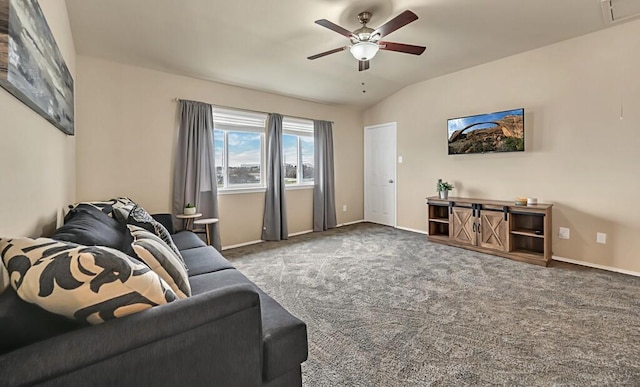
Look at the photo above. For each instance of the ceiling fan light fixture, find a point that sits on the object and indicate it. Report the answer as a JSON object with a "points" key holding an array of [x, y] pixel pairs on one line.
{"points": [[364, 50]]}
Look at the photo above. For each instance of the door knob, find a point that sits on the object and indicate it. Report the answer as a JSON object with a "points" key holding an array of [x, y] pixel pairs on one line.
{"points": [[390, 180]]}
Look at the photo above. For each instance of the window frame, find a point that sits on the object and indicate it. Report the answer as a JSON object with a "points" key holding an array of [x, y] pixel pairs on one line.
{"points": [[229, 120], [300, 128]]}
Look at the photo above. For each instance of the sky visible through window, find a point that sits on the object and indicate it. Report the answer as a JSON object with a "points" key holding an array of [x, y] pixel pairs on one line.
{"points": [[306, 143], [291, 160], [290, 149], [243, 157], [218, 145], [244, 148]]}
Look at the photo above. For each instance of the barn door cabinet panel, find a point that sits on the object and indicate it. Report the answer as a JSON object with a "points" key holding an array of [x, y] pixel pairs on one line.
{"points": [[493, 229], [463, 225], [496, 227]]}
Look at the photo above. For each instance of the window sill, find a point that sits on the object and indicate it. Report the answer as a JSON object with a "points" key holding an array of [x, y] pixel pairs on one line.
{"points": [[294, 187], [232, 191]]}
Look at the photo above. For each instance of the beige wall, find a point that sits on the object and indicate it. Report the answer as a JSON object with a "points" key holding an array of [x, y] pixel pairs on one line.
{"points": [[579, 155], [126, 146], [37, 160]]}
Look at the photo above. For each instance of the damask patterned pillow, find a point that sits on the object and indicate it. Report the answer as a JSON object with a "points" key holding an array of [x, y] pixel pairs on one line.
{"points": [[151, 250], [85, 283], [141, 218], [4, 278], [122, 208]]}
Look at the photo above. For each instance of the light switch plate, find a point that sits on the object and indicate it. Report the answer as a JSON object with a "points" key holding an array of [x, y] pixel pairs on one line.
{"points": [[564, 233], [601, 238]]}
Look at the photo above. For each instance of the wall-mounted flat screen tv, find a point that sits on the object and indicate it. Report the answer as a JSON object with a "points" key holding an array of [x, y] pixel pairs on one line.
{"points": [[492, 132]]}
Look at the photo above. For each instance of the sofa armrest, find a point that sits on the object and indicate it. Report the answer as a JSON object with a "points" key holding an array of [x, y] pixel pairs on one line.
{"points": [[211, 338], [166, 220]]}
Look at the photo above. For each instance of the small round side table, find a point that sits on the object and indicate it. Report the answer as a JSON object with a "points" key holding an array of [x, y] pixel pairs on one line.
{"points": [[188, 220], [207, 223]]}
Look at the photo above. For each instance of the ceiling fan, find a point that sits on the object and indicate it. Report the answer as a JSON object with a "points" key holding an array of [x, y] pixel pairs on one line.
{"points": [[365, 41]]}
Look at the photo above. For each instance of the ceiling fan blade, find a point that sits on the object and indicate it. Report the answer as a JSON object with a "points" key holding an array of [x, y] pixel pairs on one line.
{"points": [[401, 47], [320, 55], [399, 21], [363, 65], [334, 27]]}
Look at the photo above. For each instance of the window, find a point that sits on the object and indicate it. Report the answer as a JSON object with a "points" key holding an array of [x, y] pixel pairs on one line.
{"points": [[297, 149], [238, 138], [239, 146]]}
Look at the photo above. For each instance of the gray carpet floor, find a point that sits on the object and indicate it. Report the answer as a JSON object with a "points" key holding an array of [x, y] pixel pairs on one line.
{"points": [[385, 307]]}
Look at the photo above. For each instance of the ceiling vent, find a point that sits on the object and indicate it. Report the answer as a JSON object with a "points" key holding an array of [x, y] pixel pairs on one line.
{"points": [[616, 11]]}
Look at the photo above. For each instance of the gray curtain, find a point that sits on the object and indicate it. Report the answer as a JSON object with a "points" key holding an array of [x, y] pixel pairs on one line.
{"points": [[274, 223], [195, 172], [324, 197]]}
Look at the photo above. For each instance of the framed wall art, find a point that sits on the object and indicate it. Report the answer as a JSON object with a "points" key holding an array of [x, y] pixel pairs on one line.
{"points": [[31, 65]]}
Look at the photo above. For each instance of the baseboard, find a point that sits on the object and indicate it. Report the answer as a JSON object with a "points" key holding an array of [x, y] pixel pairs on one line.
{"points": [[260, 241], [241, 245], [350, 223], [300, 233], [596, 266], [412, 230]]}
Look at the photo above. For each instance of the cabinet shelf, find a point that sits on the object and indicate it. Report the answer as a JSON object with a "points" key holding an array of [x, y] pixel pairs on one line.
{"points": [[496, 227], [439, 228], [521, 253], [528, 233]]}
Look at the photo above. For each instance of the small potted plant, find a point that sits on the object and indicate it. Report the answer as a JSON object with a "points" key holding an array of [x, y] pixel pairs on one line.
{"points": [[189, 209], [443, 188]]}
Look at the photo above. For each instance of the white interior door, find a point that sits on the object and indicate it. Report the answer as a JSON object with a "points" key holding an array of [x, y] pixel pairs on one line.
{"points": [[380, 174]]}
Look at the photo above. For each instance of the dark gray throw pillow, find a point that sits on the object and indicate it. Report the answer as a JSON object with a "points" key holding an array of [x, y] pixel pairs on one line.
{"points": [[88, 226], [105, 206]]}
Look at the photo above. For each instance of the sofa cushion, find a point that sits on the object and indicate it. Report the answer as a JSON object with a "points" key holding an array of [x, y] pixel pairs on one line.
{"points": [[87, 225], [284, 336], [150, 249], [24, 323], [217, 280], [86, 283], [204, 259], [185, 240]]}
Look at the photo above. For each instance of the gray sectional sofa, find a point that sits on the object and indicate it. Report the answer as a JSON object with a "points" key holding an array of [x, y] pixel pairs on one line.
{"points": [[228, 333]]}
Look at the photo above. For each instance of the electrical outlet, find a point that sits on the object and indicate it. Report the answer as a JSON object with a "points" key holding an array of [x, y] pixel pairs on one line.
{"points": [[344, 208], [399, 159], [564, 233], [601, 238]]}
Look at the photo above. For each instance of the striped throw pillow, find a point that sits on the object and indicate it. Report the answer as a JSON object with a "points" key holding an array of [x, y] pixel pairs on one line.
{"points": [[152, 250]]}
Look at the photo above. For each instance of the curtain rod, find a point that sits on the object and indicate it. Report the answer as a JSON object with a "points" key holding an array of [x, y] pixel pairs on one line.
{"points": [[245, 110]]}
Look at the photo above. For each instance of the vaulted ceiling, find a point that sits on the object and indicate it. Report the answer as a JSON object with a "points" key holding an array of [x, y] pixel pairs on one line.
{"points": [[264, 45]]}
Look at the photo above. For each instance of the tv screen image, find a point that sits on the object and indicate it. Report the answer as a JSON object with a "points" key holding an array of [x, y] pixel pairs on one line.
{"points": [[492, 132]]}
